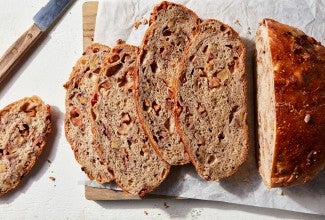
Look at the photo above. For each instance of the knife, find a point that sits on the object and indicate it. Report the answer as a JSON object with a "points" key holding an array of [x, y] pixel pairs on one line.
{"points": [[42, 22]]}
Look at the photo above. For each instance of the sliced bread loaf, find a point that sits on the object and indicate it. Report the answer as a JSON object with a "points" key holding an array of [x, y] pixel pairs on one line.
{"points": [[24, 125], [122, 142], [290, 79], [210, 104], [170, 30], [79, 90]]}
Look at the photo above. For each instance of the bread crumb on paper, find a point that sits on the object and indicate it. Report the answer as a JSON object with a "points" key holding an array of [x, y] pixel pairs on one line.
{"points": [[146, 213], [249, 31], [120, 41], [143, 21], [280, 192], [237, 22], [52, 178]]}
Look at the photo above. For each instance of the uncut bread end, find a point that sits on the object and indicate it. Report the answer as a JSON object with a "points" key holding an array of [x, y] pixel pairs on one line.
{"points": [[290, 77]]}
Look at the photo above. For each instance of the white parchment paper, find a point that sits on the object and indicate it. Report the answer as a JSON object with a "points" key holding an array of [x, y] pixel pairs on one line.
{"points": [[115, 20]]}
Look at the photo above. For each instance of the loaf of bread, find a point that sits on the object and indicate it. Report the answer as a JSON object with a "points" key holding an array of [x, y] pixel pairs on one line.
{"points": [[121, 140], [290, 79], [170, 29], [24, 125], [211, 100], [79, 90]]}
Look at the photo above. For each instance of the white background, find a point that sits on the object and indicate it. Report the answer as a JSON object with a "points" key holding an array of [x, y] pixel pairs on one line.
{"points": [[38, 197]]}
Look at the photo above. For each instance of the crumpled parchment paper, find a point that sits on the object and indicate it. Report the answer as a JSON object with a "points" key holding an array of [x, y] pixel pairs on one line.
{"points": [[115, 20]]}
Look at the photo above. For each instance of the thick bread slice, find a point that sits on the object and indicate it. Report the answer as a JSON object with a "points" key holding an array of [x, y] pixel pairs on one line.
{"points": [[290, 104], [170, 30], [211, 106], [24, 125], [136, 166], [80, 88]]}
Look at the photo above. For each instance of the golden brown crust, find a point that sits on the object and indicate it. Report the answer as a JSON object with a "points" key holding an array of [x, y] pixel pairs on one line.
{"points": [[28, 114], [299, 82]]}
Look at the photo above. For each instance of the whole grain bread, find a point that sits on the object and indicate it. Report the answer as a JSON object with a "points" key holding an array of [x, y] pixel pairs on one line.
{"points": [[290, 78], [79, 90], [170, 29], [210, 100], [24, 125], [122, 142]]}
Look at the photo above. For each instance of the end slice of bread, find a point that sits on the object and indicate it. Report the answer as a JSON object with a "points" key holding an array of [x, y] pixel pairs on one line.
{"points": [[290, 78], [170, 30], [24, 125], [79, 90], [122, 142], [211, 101]]}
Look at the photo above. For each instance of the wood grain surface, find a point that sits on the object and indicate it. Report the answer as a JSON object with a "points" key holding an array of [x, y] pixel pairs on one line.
{"points": [[89, 12]]}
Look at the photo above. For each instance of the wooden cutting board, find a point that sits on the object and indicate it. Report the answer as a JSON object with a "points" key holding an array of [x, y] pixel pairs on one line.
{"points": [[89, 12]]}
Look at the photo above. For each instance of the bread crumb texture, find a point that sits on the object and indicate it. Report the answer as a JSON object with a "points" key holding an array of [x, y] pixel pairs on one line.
{"points": [[24, 125]]}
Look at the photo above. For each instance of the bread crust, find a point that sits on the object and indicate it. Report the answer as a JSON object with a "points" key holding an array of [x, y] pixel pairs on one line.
{"points": [[241, 68], [80, 88], [163, 149], [22, 122], [299, 84]]}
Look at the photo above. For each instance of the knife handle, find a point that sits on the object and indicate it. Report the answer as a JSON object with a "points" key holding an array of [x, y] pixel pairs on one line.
{"points": [[18, 49]]}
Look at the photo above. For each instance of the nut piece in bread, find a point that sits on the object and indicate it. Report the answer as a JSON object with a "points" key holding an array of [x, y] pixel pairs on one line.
{"points": [[170, 30], [211, 100], [24, 125], [79, 90], [121, 140], [290, 78]]}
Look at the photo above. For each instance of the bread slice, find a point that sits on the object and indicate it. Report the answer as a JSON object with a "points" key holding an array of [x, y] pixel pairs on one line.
{"points": [[79, 90], [122, 141], [24, 125], [290, 79], [170, 30], [211, 106]]}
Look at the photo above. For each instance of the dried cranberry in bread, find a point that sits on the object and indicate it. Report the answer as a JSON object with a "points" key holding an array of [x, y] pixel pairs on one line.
{"points": [[211, 103], [24, 125], [170, 29], [79, 90], [290, 80], [121, 140]]}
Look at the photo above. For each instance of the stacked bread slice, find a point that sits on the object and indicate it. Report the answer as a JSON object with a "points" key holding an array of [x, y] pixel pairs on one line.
{"points": [[125, 147], [80, 88], [211, 103], [144, 111], [170, 30], [24, 125]]}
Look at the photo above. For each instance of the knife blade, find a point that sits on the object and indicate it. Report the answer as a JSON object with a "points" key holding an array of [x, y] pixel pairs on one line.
{"points": [[49, 13], [43, 20]]}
